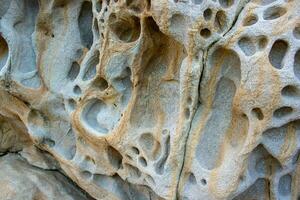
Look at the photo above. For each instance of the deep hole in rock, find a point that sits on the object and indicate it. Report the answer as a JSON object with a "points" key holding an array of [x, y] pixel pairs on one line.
{"points": [[91, 67], [150, 146], [187, 113], [226, 3], [296, 32], [297, 64], [273, 12], [277, 53], [98, 5], [283, 112], [247, 46], [150, 180], [258, 113], [220, 21], [114, 157], [71, 104], [3, 52], [125, 27], [160, 166], [207, 14], [90, 114], [100, 83], [192, 178], [137, 5], [135, 150], [285, 185], [250, 20], [262, 42], [85, 23], [133, 172], [74, 71], [96, 28], [290, 91], [205, 33], [203, 182], [77, 90], [143, 161], [265, 163]]}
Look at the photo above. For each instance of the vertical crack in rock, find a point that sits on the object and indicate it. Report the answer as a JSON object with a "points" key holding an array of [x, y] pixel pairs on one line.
{"points": [[204, 62]]}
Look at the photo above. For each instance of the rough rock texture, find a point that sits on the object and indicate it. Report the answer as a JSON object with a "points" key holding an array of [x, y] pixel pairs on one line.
{"points": [[150, 99]]}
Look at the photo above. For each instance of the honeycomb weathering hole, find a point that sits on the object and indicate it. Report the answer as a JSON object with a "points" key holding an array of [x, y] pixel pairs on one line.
{"points": [[296, 32], [125, 27], [3, 52], [74, 71], [247, 46], [91, 65], [90, 116], [220, 21], [274, 12], [277, 53], [250, 20], [226, 3], [297, 64], [283, 112], [85, 22], [257, 112]]}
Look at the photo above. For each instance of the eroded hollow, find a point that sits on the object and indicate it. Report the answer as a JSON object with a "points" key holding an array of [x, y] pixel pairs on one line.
{"points": [[282, 112], [226, 3], [207, 14], [274, 12], [125, 27], [277, 53], [220, 21], [3, 52], [250, 20], [150, 146], [114, 157], [74, 71], [296, 32], [285, 185], [138, 5], [100, 83], [247, 46], [90, 115], [85, 23], [290, 91], [206, 33], [297, 64], [257, 112], [91, 70], [228, 63]]}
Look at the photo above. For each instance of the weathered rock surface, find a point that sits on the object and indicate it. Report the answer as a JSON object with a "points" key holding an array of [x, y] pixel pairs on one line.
{"points": [[19, 180], [150, 99]]}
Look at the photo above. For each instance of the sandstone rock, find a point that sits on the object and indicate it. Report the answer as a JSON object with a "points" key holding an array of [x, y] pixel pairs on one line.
{"points": [[19, 180], [152, 99]]}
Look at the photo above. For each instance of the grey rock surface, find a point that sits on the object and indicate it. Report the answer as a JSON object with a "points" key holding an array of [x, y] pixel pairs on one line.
{"points": [[150, 99]]}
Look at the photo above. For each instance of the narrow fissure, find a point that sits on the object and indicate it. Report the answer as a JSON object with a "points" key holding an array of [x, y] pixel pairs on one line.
{"points": [[204, 61]]}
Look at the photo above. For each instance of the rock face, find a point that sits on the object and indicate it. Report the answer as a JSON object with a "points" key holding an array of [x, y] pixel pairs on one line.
{"points": [[149, 99]]}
